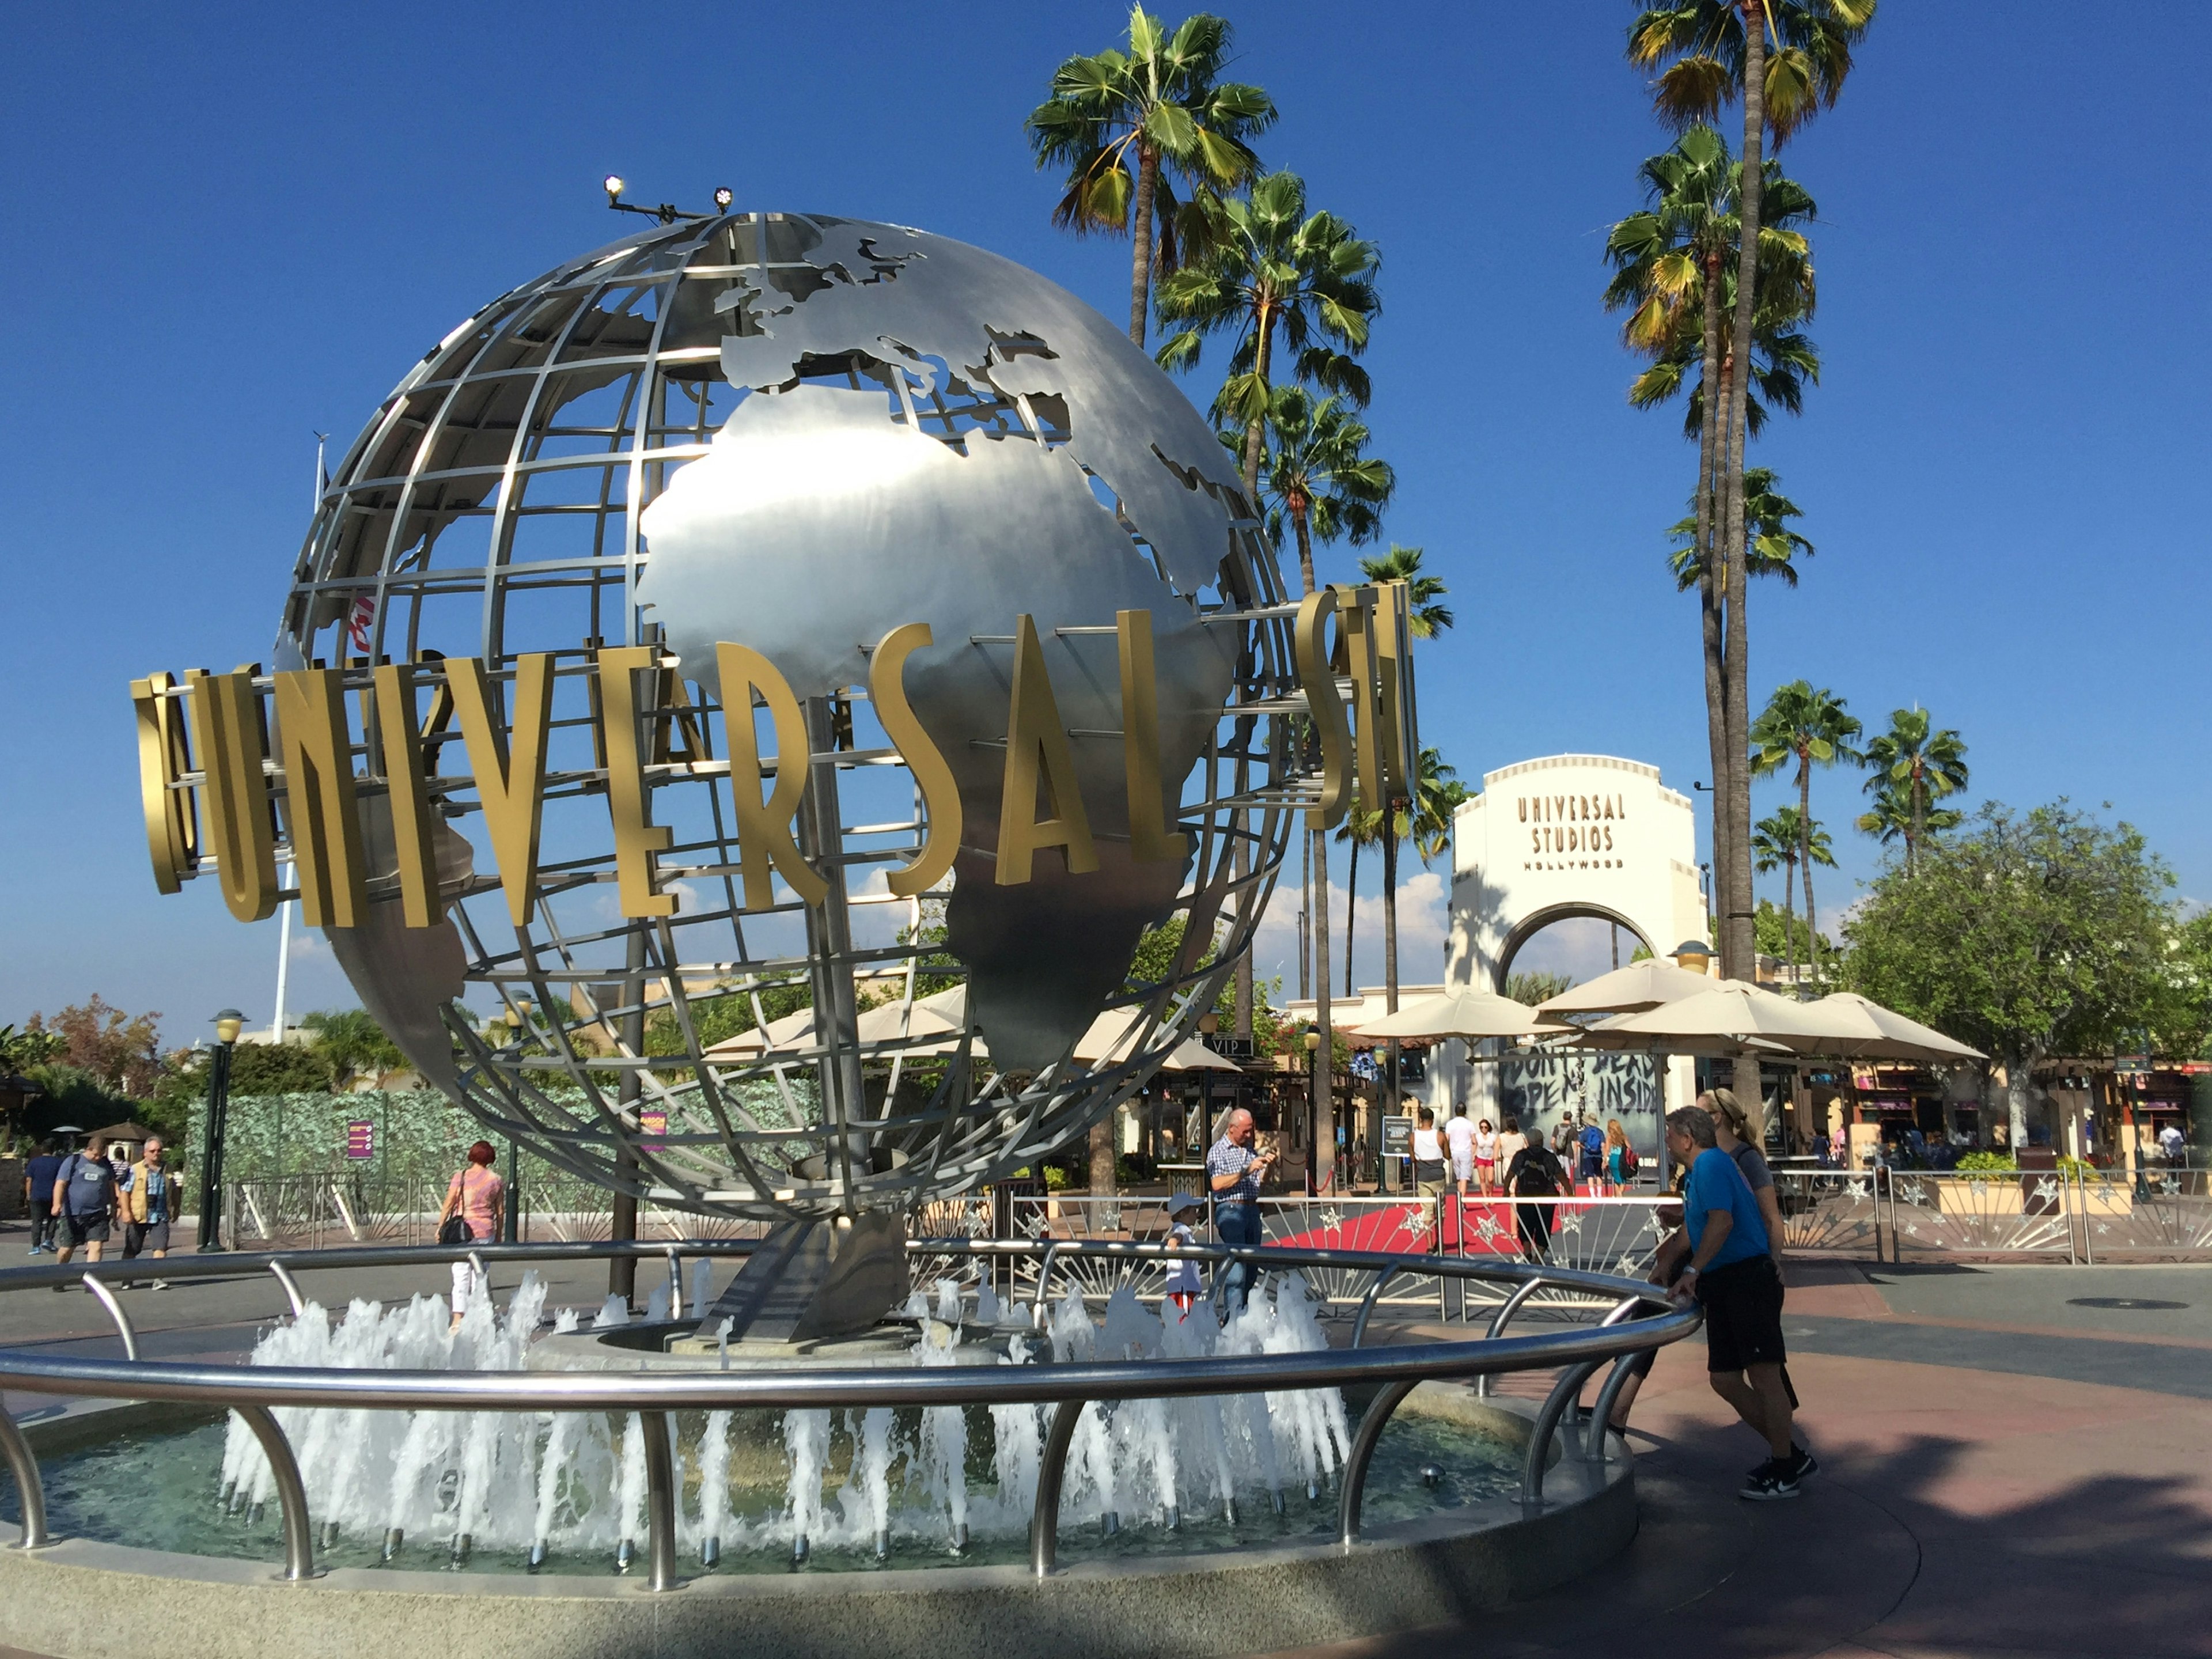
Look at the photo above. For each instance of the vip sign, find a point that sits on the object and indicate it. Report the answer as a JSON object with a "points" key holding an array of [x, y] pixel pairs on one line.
{"points": [[220, 795]]}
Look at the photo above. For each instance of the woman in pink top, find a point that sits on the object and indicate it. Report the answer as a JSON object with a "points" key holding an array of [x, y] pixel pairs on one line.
{"points": [[479, 1197]]}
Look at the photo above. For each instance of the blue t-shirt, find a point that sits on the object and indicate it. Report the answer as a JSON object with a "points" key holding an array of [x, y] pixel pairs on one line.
{"points": [[41, 1170], [1716, 1184]]}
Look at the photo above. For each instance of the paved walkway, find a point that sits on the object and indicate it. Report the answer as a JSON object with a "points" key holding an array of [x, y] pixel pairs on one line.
{"points": [[1985, 1493], [2015, 1462]]}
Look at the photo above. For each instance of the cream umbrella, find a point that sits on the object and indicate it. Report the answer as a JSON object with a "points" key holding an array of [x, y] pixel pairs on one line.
{"points": [[1873, 1032], [1462, 1014], [1731, 1010], [1641, 985]]}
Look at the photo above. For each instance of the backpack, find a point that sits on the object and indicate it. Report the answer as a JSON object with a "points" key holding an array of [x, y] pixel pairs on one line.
{"points": [[1536, 1179], [1628, 1164]]}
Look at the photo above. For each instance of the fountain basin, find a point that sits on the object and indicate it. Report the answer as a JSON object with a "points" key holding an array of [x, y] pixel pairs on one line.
{"points": [[82, 1598]]}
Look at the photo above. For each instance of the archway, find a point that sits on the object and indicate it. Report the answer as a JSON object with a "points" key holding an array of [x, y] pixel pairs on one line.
{"points": [[1525, 931], [1547, 841]]}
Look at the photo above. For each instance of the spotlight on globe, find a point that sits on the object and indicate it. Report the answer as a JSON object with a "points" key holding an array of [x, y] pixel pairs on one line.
{"points": [[781, 439]]}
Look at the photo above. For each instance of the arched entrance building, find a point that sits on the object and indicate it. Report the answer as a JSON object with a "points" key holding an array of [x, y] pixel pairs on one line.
{"points": [[1567, 835]]}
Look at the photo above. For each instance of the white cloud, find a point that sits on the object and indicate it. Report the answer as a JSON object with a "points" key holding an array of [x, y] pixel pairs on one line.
{"points": [[1423, 918]]}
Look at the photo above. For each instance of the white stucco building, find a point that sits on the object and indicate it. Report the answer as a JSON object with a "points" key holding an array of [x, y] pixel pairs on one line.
{"points": [[1566, 836]]}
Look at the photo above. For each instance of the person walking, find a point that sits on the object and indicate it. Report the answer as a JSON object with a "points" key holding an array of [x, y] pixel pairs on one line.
{"points": [[1732, 1134], [1233, 1174], [84, 1202], [1590, 1142], [39, 1172], [1535, 1172], [478, 1198], [149, 1202], [1485, 1158], [1184, 1285], [1619, 1159], [1459, 1141], [1731, 1273]]}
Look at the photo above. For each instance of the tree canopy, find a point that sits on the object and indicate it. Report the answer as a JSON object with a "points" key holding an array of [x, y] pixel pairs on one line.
{"points": [[2031, 935]]}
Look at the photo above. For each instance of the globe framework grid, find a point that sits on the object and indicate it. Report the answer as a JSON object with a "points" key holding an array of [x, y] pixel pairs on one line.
{"points": [[715, 431]]}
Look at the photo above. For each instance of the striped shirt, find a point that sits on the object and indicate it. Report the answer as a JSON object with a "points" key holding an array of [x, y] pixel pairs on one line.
{"points": [[1227, 1157]]}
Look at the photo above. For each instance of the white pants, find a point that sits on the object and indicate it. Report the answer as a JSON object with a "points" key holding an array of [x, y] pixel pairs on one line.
{"points": [[467, 1282]]}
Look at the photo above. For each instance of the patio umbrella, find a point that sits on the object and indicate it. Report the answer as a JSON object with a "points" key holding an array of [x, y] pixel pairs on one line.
{"points": [[1733, 1012], [1873, 1032], [1462, 1014], [1641, 985]]}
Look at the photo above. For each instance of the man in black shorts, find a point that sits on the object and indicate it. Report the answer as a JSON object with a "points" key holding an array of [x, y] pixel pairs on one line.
{"points": [[1732, 1274], [84, 1201]]}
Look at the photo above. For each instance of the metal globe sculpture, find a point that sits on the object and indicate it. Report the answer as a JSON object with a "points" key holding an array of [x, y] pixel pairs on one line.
{"points": [[800, 435]]}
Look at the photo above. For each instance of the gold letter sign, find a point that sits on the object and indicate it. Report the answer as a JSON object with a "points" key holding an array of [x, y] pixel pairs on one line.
{"points": [[887, 690], [510, 776], [241, 830], [764, 827], [1036, 746]]}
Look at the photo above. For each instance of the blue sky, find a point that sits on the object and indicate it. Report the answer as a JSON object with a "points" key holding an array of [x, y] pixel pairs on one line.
{"points": [[231, 227]]}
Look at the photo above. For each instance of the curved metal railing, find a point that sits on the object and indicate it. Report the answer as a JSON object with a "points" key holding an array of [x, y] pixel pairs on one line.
{"points": [[251, 1390]]}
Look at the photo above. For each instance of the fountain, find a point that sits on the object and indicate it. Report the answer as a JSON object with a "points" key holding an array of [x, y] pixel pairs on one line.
{"points": [[774, 612]]}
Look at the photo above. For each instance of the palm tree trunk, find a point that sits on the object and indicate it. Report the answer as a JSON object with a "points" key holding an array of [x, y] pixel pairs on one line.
{"points": [[1262, 357], [1790, 915], [1140, 265], [1390, 942], [1101, 1156], [1322, 1152], [1919, 819], [1736, 931], [1709, 598], [1805, 857], [1305, 922], [1305, 550], [1350, 907]]}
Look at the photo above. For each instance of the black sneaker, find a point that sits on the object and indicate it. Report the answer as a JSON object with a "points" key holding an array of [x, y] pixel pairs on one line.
{"points": [[1775, 1480], [1802, 1463]]}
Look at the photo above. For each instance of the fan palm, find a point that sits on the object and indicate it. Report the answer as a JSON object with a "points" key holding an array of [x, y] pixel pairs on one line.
{"points": [[1271, 267], [1814, 728], [1317, 474], [1890, 819], [1403, 564], [1918, 767], [1774, 545], [1706, 51], [1671, 275], [1779, 841], [1361, 827], [1129, 125]]}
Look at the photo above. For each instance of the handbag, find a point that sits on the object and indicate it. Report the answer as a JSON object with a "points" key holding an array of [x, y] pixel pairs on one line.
{"points": [[455, 1231]]}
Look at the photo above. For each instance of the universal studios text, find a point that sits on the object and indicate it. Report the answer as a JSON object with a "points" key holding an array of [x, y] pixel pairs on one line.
{"points": [[242, 771]]}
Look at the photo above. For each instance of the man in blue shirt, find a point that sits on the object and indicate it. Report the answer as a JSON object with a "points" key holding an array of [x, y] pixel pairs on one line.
{"points": [[1733, 1277], [39, 1194]]}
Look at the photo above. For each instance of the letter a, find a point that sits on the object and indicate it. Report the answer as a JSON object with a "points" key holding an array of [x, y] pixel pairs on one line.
{"points": [[1037, 750]]}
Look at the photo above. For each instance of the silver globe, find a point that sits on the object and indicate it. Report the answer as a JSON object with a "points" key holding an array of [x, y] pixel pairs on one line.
{"points": [[796, 432]]}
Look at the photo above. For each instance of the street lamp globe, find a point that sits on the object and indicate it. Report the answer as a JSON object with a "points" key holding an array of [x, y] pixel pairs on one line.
{"points": [[228, 1025]]}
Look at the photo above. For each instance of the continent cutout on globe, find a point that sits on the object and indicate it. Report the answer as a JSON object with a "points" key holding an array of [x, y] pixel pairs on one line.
{"points": [[1007, 452]]}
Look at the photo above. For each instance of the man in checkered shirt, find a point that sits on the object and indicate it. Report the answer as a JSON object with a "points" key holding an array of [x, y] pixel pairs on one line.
{"points": [[1233, 1173]]}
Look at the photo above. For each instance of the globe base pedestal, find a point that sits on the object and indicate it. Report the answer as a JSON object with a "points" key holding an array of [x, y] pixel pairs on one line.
{"points": [[811, 1280]]}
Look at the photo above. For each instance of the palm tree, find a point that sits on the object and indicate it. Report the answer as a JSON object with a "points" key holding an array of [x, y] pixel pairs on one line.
{"points": [[1129, 125], [1318, 476], [1926, 765], [1774, 846], [1403, 564], [1361, 827], [1774, 545], [1890, 819], [1816, 729], [1670, 275], [1271, 266], [1706, 51]]}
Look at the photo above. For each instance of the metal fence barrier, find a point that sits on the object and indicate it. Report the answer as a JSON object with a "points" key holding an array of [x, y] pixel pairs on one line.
{"points": [[1395, 1371]]}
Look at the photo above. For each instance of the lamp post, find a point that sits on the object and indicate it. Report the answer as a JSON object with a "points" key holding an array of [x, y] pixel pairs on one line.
{"points": [[517, 1012], [1312, 1040], [228, 1025], [667, 212]]}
